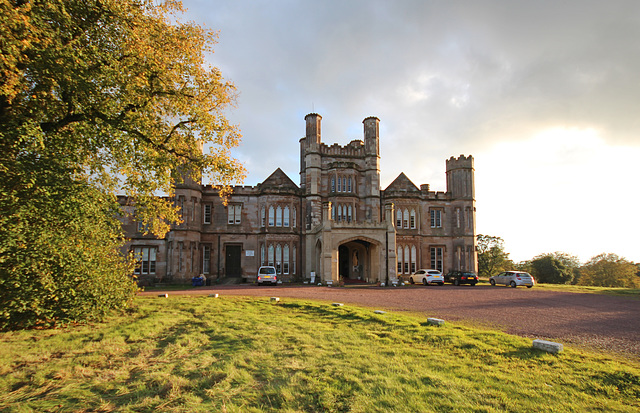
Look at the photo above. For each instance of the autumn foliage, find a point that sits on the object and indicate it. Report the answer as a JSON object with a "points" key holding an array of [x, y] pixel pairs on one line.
{"points": [[97, 97]]}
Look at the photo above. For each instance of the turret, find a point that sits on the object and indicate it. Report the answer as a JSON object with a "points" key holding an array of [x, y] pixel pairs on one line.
{"points": [[460, 177], [314, 129], [372, 136]]}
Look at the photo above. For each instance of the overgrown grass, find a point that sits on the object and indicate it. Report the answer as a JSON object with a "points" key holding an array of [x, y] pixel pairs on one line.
{"points": [[234, 354]]}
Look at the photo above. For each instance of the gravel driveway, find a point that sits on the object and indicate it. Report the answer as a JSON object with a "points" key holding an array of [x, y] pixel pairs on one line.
{"points": [[594, 320]]}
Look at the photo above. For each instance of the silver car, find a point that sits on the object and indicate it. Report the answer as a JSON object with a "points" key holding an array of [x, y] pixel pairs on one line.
{"points": [[427, 277], [513, 279]]}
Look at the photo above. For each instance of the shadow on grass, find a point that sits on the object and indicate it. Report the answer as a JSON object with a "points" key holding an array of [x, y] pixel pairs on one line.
{"points": [[337, 313]]}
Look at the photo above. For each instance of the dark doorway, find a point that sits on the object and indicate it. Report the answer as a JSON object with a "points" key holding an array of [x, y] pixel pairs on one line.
{"points": [[343, 261], [232, 262]]}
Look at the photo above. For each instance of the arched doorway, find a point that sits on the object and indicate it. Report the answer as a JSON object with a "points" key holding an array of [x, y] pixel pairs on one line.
{"points": [[354, 261]]}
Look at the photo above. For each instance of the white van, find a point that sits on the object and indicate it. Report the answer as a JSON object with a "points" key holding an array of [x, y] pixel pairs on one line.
{"points": [[267, 274], [513, 278]]}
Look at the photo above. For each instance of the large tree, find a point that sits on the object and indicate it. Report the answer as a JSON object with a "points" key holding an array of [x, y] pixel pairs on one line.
{"points": [[609, 270], [492, 258], [554, 268], [97, 97]]}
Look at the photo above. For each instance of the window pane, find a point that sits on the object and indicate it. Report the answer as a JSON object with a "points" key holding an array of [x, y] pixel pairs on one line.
{"points": [[238, 209], [285, 220], [285, 259], [271, 216], [279, 259], [230, 214], [278, 217]]}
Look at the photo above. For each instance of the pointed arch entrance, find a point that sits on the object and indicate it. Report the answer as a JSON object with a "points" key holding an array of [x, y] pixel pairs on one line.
{"points": [[359, 260]]}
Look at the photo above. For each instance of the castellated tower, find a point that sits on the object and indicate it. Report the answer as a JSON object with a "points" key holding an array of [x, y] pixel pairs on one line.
{"points": [[460, 177], [372, 168]]}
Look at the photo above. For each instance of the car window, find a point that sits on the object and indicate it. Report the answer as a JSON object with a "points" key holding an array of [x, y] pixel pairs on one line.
{"points": [[267, 270]]}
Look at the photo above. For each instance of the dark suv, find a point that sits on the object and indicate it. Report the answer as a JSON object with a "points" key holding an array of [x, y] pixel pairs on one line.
{"points": [[461, 277]]}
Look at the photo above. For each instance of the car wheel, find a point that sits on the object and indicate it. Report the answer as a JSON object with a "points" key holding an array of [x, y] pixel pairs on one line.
{"points": [[473, 284], [456, 282], [411, 280], [441, 284], [492, 282], [424, 281], [529, 286], [513, 284]]}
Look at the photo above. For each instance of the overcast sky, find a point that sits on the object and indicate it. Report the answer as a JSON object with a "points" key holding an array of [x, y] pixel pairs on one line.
{"points": [[544, 94]]}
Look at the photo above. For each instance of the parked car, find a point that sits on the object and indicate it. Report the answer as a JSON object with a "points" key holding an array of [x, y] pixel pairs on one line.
{"points": [[267, 274], [427, 277], [513, 279], [461, 277]]}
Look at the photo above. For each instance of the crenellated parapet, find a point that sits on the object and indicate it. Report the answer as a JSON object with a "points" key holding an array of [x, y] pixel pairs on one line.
{"points": [[461, 162]]}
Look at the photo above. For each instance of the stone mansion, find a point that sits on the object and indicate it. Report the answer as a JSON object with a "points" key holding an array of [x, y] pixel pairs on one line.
{"points": [[338, 224]]}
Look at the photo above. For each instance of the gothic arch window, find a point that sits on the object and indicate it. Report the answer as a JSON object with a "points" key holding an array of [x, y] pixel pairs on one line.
{"points": [[294, 217], [278, 217], [262, 257], [333, 184], [263, 217], [349, 217], [293, 261], [285, 260], [412, 220], [270, 256], [344, 184], [413, 259], [278, 259], [406, 218], [339, 185], [271, 216], [399, 218], [285, 217], [399, 259], [406, 260], [349, 182]]}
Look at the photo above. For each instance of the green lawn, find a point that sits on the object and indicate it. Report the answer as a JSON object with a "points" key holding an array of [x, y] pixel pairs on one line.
{"points": [[234, 354]]}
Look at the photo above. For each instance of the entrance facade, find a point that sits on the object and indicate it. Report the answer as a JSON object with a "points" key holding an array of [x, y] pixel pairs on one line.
{"points": [[338, 224]]}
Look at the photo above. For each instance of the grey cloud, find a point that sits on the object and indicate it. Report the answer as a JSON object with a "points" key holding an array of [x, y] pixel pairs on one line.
{"points": [[444, 77]]}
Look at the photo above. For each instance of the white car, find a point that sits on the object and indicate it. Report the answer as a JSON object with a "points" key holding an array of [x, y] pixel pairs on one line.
{"points": [[427, 277], [513, 279], [267, 274]]}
